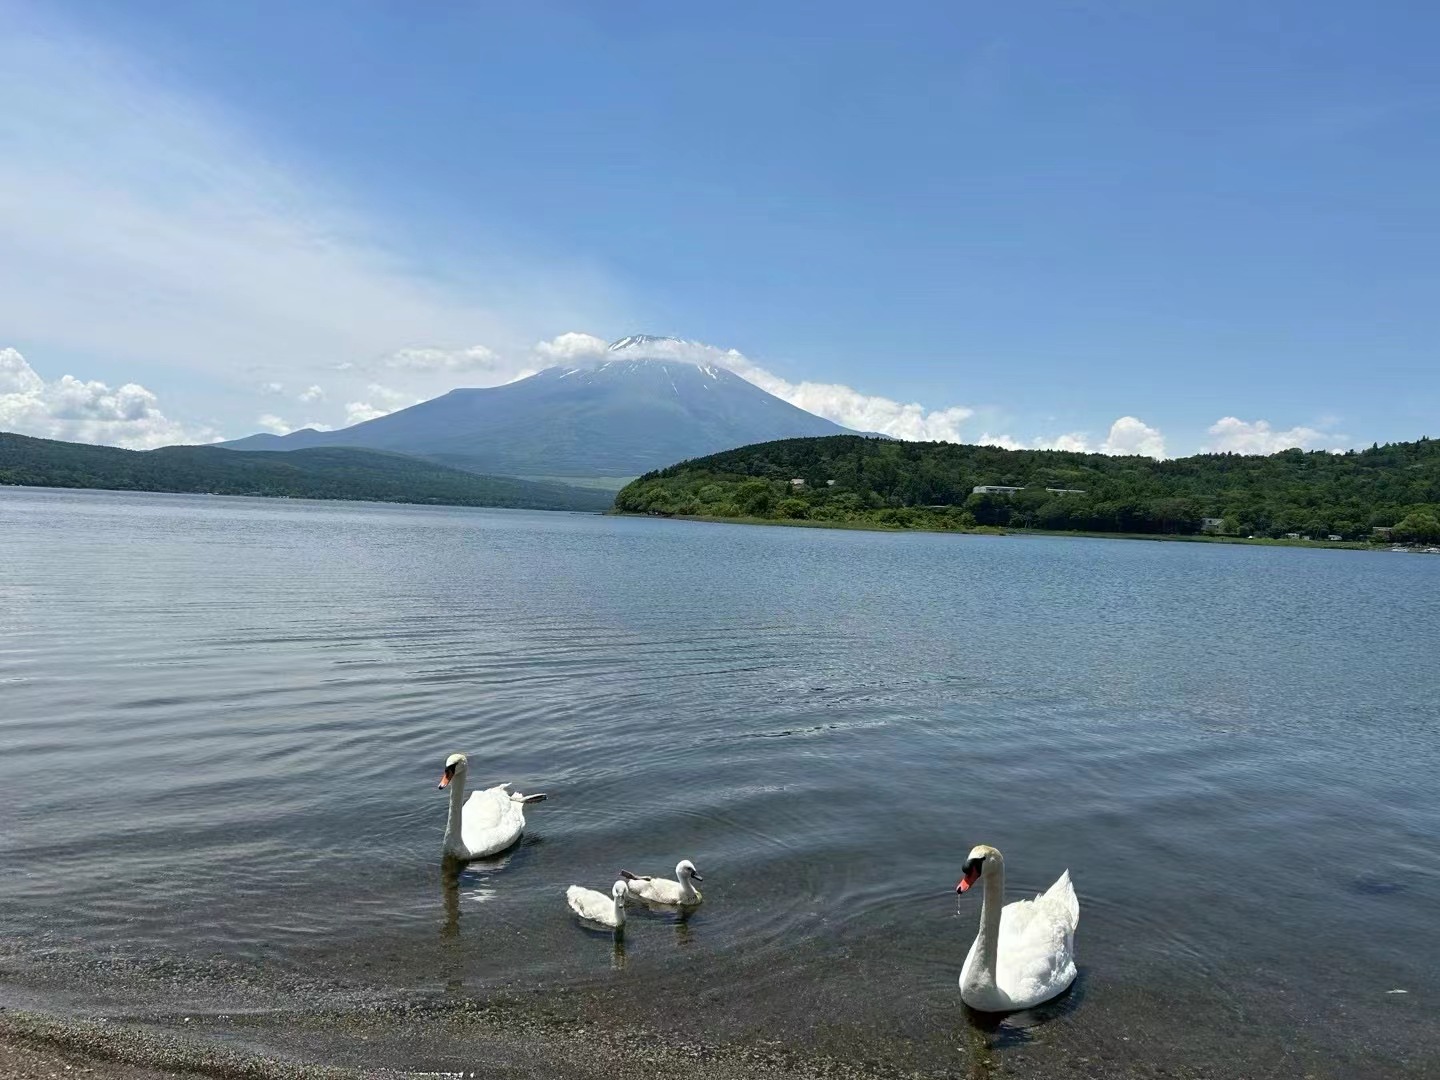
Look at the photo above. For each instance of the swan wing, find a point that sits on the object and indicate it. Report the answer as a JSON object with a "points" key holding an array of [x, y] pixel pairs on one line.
{"points": [[656, 890], [490, 821], [1061, 897], [484, 809], [592, 905], [1036, 957]]}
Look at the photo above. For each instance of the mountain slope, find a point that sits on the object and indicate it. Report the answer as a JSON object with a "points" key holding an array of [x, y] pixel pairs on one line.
{"points": [[620, 417], [897, 483], [321, 473]]}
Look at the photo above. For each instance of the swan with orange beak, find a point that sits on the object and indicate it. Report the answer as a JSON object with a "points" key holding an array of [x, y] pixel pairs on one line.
{"points": [[1024, 952], [487, 823]]}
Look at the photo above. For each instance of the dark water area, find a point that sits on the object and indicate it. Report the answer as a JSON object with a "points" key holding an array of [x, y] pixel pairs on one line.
{"points": [[222, 722]]}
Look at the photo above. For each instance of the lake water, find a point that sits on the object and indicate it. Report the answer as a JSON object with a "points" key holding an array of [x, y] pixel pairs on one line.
{"points": [[222, 722]]}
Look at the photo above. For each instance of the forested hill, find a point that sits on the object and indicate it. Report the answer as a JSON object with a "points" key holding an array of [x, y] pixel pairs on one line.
{"points": [[882, 481], [329, 473]]}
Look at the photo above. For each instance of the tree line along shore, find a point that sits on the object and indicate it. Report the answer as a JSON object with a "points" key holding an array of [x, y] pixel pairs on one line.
{"points": [[1385, 494]]}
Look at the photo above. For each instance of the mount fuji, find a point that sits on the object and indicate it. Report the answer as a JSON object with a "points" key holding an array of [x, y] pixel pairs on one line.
{"points": [[634, 409]]}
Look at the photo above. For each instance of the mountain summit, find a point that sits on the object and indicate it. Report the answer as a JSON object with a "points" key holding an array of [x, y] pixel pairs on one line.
{"points": [[629, 411], [640, 341]]}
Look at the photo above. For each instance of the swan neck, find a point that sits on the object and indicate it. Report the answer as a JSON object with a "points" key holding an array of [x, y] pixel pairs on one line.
{"points": [[457, 802], [620, 910], [991, 901]]}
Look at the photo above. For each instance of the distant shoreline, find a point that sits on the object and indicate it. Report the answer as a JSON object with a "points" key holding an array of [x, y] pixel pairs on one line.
{"points": [[985, 530], [801, 523], [433, 504]]}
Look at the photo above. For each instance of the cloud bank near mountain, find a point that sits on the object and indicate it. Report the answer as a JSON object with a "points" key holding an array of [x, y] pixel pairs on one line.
{"points": [[77, 410]]}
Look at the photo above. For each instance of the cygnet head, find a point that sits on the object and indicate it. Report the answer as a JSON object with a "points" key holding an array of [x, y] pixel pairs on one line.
{"points": [[455, 763], [619, 889], [981, 856], [686, 869]]}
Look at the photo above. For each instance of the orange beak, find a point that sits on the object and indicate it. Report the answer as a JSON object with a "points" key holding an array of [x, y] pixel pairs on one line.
{"points": [[971, 876], [444, 779]]}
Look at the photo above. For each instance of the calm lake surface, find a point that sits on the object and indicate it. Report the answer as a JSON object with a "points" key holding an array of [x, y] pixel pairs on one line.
{"points": [[222, 722]]}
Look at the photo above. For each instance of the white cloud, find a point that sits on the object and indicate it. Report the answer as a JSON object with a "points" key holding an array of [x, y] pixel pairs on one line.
{"points": [[90, 412], [357, 412], [310, 395], [17, 377], [1232, 435], [278, 426], [272, 388], [571, 347], [382, 401], [1130, 435], [868, 412], [1075, 441]]}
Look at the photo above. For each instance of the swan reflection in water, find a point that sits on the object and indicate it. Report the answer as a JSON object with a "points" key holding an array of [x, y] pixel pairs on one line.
{"points": [[684, 936], [470, 880], [986, 1035], [680, 918]]}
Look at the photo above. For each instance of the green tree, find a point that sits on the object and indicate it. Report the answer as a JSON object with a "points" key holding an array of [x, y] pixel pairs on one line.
{"points": [[1420, 527], [755, 498], [792, 508]]}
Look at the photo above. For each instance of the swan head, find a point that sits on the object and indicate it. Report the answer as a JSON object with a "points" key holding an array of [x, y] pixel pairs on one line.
{"points": [[455, 763], [981, 856], [619, 890], [686, 869]]}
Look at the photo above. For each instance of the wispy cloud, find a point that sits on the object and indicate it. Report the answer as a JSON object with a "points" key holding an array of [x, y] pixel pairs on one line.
{"points": [[142, 224], [379, 401], [475, 358]]}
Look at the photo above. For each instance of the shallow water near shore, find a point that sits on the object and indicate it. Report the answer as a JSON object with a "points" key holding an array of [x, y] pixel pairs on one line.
{"points": [[222, 722]]}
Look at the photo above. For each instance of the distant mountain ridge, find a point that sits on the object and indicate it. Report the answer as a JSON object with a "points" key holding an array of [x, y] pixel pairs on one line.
{"points": [[317, 473], [620, 415]]}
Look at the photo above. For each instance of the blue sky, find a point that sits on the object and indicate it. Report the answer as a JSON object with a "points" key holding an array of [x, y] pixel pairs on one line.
{"points": [[1215, 223]]}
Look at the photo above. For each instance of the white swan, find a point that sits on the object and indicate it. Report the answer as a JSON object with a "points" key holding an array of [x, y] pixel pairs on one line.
{"points": [[594, 906], [665, 891], [1025, 952], [489, 822]]}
